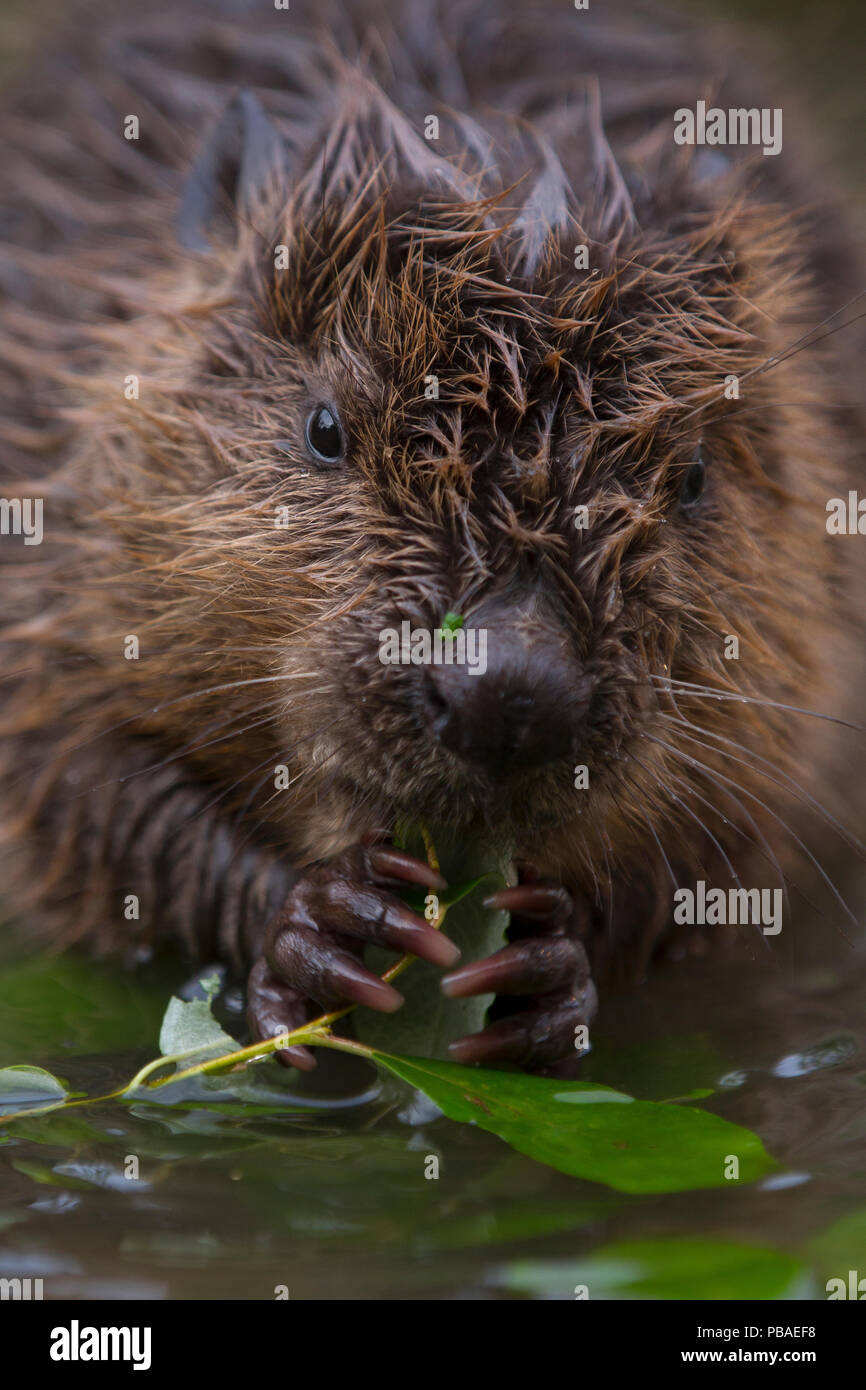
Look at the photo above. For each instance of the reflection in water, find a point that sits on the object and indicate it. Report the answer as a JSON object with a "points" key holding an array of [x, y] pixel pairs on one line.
{"points": [[334, 1203]]}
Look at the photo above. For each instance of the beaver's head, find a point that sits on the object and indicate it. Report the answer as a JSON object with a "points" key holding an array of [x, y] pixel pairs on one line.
{"points": [[480, 379]]}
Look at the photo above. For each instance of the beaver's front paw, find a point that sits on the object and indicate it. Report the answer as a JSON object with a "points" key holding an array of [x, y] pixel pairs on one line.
{"points": [[541, 980], [312, 954]]}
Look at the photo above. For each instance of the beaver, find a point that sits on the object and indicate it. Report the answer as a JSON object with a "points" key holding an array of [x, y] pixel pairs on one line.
{"points": [[326, 319]]}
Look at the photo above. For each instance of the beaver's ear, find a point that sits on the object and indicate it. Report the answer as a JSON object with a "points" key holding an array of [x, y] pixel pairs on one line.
{"points": [[241, 156]]}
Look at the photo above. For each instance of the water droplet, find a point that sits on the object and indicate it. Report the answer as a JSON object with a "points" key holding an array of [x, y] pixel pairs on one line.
{"points": [[734, 1078], [828, 1053], [779, 1181]]}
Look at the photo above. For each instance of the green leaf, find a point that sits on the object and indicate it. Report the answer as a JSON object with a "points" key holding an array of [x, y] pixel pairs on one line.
{"points": [[451, 623], [190, 1027], [591, 1131], [429, 1020], [211, 986], [190, 1024], [674, 1269], [20, 1086]]}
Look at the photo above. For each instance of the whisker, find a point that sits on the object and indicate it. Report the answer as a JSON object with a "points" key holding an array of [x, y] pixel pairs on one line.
{"points": [[265, 761], [242, 843], [803, 343], [600, 902], [156, 709], [736, 698], [743, 791], [789, 782], [195, 746], [758, 840], [704, 398], [731, 870], [307, 772]]}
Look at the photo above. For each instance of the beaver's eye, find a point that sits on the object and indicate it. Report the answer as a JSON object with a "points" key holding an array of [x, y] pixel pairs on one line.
{"points": [[324, 436], [693, 483]]}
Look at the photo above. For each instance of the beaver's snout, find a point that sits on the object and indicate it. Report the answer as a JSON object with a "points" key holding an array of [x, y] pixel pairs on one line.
{"points": [[522, 711]]}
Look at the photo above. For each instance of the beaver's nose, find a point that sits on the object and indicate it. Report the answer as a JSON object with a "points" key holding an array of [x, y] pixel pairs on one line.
{"points": [[522, 711]]}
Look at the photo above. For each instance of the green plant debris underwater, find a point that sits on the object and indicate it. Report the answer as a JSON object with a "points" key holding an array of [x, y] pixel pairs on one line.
{"points": [[586, 1130]]}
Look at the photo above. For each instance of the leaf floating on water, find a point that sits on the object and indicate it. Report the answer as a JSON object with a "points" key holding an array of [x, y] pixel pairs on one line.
{"points": [[188, 1025], [22, 1086], [591, 1131]]}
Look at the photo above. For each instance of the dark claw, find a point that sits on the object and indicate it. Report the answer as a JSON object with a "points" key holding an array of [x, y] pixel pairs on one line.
{"points": [[378, 919], [274, 1008], [395, 863], [324, 971], [544, 969], [313, 949], [534, 966], [505, 1041], [313, 952], [534, 1038], [543, 903], [535, 899]]}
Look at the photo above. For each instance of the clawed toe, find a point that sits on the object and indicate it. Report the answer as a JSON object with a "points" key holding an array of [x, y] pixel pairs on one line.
{"points": [[274, 1008]]}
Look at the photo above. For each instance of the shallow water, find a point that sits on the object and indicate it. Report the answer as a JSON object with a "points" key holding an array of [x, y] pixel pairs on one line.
{"points": [[335, 1204]]}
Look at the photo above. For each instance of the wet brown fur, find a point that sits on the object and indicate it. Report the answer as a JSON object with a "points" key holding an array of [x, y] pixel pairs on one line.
{"points": [[557, 388]]}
